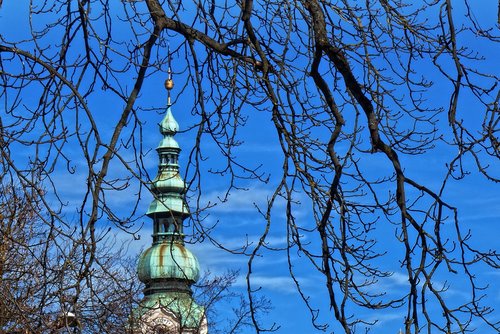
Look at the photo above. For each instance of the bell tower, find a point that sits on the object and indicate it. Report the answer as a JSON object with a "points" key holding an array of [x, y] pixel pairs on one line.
{"points": [[167, 268]]}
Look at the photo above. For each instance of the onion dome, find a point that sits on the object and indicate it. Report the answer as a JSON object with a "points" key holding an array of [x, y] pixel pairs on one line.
{"points": [[169, 182], [168, 261], [169, 125], [168, 144]]}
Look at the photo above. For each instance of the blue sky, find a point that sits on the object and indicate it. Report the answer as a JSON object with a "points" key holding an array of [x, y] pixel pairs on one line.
{"points": [[238, 221]]}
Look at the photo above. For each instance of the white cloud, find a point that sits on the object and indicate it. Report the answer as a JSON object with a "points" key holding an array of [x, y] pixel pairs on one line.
{"points": [[239, 200], [382, 318], [398, 282], [282, 284], [243, 205]]}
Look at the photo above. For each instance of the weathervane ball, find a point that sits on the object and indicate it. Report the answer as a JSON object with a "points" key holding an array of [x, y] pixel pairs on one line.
{"points": [[169, 84]]}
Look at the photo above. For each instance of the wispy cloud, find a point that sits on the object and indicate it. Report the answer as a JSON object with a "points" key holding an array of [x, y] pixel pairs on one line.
{"points": [[281, 284], [398, 283], [240, 200], [245, 204], [385, 317]]}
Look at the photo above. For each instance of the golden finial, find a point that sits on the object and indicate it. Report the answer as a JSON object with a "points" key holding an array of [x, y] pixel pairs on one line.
{"points": [[169, 84]]}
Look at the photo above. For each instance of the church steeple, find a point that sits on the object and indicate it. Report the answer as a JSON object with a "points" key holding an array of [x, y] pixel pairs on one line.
{"points": [[168, 268], [168, 209]]}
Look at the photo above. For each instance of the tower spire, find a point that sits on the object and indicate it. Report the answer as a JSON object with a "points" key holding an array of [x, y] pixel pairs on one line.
{"points": [[168, 268], [169, 83]]}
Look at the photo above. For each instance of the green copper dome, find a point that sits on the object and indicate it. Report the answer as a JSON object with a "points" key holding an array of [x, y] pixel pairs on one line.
{"points": [[168, 143], [167, 205], [169, 181], [168, 261], [169, 125]]}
